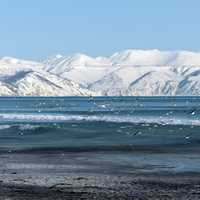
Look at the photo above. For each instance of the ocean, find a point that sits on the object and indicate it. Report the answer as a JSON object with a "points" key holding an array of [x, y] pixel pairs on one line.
{"points": [[125, 134]]}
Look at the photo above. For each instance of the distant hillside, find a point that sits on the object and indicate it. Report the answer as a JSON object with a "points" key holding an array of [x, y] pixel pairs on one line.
{"points": [[128, 73]]}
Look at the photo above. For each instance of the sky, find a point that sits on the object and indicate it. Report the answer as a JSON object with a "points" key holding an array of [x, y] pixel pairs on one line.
{"points": [[36, 29]]}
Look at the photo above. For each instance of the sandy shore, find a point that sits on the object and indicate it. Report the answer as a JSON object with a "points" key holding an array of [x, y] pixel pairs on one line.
{"points": [[60, 175], [87, 186]]}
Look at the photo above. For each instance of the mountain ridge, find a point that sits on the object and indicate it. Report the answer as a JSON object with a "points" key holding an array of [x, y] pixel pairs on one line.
{"points": [[131, 72]]}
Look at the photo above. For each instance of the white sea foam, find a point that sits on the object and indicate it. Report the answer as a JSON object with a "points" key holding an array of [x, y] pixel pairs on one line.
{"points": [[164, 120], [21, 126], [5, 127], [28, 127]]}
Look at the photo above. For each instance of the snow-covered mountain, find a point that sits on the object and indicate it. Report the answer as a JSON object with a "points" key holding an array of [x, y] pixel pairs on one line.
{"points": [[156, 58], [19, 77], [79, 67], [129, 72]]}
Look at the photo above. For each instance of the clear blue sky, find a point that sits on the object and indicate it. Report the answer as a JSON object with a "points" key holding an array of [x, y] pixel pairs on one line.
{"points": [[38, 28]]}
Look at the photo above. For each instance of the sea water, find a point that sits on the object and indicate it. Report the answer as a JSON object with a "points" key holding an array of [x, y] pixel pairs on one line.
{"points": [[148, 133]]}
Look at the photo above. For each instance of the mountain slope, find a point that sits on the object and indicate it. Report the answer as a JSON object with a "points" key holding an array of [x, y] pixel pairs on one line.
{"points": [[142, 81], [26, 78], [79, 67], [129, 72], [156, 58]]}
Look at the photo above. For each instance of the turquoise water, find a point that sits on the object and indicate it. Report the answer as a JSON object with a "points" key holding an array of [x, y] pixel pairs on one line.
{"points": [[99, 121], [123, 130]]}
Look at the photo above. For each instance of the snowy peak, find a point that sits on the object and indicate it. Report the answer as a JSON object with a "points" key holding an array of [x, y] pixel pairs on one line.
{"points": [[131, 57], [76, 60], [141, 57], [131, 72], [156, 58], [29, 78], [14, 61], [10, 60], [186, 58], [79, 68], [11, 66]]}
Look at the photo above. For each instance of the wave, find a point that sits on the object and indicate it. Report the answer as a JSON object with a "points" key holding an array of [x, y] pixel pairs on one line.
{"points": [[20, 127], [5, 127], [53, 118]]}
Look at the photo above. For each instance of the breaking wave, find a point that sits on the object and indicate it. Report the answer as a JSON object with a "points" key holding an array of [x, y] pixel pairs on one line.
{"points": [[53, 118]]}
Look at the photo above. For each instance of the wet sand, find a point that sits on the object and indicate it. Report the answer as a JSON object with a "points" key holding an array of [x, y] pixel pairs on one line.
{"points": [[109, 187], [61, 175]]}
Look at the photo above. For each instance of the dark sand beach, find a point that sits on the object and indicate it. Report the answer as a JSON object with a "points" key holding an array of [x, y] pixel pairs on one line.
{"points": [[62, 175], [143, 187]]}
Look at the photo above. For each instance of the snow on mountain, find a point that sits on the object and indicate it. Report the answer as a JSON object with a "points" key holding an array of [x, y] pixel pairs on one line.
{"points": [[129, 72], [139, 81], [150, 81], [190, 84], [142, 57], [156, 57], [79, 67], [9, 66], [19, 77]]}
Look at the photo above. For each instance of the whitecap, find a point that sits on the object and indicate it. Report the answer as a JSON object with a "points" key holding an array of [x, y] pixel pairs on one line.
{"points": [[95, 118]]}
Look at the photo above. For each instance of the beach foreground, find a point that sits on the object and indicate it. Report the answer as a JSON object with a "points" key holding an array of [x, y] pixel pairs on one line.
{"points": [[44, 175], [106, 187], [99, 148]]}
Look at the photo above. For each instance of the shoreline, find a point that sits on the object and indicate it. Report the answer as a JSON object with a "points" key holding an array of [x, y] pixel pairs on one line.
{"points": [[63, 175], [97, 186]]}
